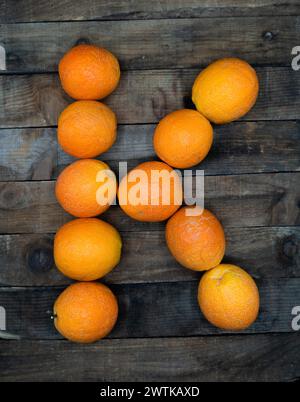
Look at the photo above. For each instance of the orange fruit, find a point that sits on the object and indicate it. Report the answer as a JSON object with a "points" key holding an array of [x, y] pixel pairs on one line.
{"points": [[150, 192], [85, 312], [86, 249], [226, 90], [197, 242], [228, 297], [86, 188], [183, 138], [86, 129], [89, 72]]}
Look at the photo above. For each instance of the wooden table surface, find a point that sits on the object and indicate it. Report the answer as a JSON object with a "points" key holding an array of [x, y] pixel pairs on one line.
{"points": [[252, 183]]}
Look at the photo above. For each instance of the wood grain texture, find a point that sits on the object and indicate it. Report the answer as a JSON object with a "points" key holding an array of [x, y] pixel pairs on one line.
{"points": [[266, 252], [246, 147], [150, 310], [184, 43], [142, 97], [230, 358], [61, 10], [238, 201]]}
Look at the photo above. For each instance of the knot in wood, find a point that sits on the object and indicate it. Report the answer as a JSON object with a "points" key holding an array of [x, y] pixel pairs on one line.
{"points": [[82, 41], [268, 36], [40, 259], [290, 247]]}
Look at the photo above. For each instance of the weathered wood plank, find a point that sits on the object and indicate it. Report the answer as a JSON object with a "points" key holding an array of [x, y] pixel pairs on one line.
{"points": [[252, 147], [142, 97], [227, 358], [150, 310], [62, 10], [266, 252], [238, 200], [28, 154], [183, 43]]}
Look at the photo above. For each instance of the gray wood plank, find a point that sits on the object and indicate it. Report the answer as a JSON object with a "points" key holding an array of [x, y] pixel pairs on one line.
{"points": [[247, 147], [225, 358], [150, 310], [238, 201], [61, 10], [142, 97], [183, 43], [266, 252], [28, 154]]}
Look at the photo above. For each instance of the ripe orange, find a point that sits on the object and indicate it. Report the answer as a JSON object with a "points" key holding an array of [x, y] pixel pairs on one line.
{"points": [[87, 249], [86, 188], [150, 192], [85, 312], [197, 242], [86, 129], [228, 297], [226, 90], [89, 72], [183, 138]]}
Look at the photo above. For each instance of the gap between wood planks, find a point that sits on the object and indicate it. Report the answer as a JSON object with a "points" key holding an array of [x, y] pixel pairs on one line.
{"points": [[216, 175], [54, 126], [269, 15], [126, 70]]}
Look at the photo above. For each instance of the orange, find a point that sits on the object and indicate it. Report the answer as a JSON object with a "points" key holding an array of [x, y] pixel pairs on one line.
{"points": [[86, 129], [85, 312], [86, 188], [89, 72], [87, 249], [183, 138], [226, 90], [197, 242], [150, 192], [228, 297]]}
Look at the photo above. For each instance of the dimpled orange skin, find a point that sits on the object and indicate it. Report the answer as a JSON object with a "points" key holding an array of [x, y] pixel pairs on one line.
{"points": [[76, 188], [86, 129], [86, 249], [226, 90], [228, 297], [85, 312], [151, 213], [196, 242], [89, 72], [183, 138]]}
